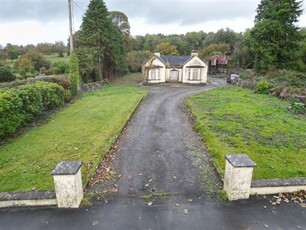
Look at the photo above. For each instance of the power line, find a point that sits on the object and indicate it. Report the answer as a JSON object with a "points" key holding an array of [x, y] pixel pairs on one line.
{"points": [[78, 6], [72, 13]]}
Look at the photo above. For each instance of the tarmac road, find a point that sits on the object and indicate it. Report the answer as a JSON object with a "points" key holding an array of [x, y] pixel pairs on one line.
{"points": [[167, 181]]}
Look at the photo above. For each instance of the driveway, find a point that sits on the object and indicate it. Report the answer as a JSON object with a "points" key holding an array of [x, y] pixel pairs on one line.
{"points": [[161, 154], [165, 180]]}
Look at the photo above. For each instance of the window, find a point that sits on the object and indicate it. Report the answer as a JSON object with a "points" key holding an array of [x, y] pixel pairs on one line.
{"points": [[195, 74], [189, 74], [154, 74]]}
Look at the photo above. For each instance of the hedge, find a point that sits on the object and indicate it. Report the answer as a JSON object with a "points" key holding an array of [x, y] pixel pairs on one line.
{"points": [[61, 80], [11, 116], [22, 104]]}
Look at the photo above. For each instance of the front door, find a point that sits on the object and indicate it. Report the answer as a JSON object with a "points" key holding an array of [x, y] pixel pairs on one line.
{"points": [[174, 76]]}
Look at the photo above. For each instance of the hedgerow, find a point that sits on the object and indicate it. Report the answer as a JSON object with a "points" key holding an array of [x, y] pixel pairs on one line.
{"points": [[20, 105]]}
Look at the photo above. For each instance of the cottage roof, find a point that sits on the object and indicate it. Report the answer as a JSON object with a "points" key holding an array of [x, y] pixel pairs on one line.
{"points": [[175, 60]]}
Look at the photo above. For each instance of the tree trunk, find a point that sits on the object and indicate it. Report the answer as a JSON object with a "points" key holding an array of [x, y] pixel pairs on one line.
{"points": [[101, 63]]}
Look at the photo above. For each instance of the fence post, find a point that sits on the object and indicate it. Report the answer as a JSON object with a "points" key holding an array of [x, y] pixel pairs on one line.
{"points": [[238, 176], [68, 184]]}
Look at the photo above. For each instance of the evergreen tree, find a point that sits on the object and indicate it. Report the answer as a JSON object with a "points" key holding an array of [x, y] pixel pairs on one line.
{"points": [[275, 36], [99, 43]]}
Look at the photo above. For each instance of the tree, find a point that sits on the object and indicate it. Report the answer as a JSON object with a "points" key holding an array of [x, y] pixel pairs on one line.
{"points": [[242, 55], [6, 74], [214, 48], [101, 41], [38, 60], [275, 37], [121, 21], [166, 48], [12, 51], [136, 59], [24, 62], [226, 36]]}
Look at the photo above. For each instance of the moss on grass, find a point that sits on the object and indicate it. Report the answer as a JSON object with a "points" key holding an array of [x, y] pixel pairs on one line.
{"points": [[235, 120]]}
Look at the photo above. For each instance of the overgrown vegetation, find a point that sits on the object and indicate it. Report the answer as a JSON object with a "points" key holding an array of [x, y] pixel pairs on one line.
{"points": [[83, 131], [235, 120], [284, 84]]}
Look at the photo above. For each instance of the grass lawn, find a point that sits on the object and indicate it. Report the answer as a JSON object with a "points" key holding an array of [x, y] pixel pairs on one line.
{"points": [[235, 120], [132, 79], [53, 58], [83, 131]]}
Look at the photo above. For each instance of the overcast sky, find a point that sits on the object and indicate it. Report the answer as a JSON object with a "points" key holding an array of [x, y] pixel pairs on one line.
{"points": [[33, 21]]}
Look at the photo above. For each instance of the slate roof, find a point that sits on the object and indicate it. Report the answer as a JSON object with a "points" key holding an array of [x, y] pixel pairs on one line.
{"points": [[175, 60]]}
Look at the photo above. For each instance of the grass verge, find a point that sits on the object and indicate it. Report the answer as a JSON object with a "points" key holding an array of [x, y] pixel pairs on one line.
{"points": [[235, 120], [83, 131]]}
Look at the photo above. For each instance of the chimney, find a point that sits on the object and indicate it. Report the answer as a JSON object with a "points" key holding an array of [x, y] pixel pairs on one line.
{"points": [[194, 53], [157, 53]]}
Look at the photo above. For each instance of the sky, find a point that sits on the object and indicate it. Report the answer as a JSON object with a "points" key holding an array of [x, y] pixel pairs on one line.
{"points": [[25, 22]]}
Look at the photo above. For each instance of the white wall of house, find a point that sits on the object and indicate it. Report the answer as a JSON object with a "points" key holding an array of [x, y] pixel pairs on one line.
{"points": [[194, 75], [158, 74], [193, 72]]}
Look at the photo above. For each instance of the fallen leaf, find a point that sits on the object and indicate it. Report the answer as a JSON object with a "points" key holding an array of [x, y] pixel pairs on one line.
{"points": [[95, 222]]}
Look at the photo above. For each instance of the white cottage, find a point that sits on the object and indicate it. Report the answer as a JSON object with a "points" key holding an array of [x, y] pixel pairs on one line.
{"points": [[186, 69]]}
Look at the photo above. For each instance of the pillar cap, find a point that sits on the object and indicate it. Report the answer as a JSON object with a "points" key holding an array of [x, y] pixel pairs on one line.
{"points": [[67, 168], [240, 161]]}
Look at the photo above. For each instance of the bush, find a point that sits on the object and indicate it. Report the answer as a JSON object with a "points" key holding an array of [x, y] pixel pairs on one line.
{"points": [[262, 87], [38, 60], [52, 94], [11, 116], [31, 100], [61, 80], [23, 73], [6, 74], [53, 71], [64, 67], [20, 105]]}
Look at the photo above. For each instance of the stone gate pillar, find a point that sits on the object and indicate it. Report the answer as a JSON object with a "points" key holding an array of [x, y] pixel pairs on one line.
{"points": [[238, 176], [68, 184]]}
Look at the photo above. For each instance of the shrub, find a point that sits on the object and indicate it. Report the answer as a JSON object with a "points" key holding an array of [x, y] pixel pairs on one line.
{"points": [[61, 80], [31, 100], [11, 116], [38, 60], [42, 70], [23, 73], [262, 87], [20, 105], [64, 67], [52, 94], [6, 74], [32, 70], [53, 71]]}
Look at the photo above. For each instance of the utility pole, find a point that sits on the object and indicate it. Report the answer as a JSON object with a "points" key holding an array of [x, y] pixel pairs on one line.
{"points": [[70, 26]]}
